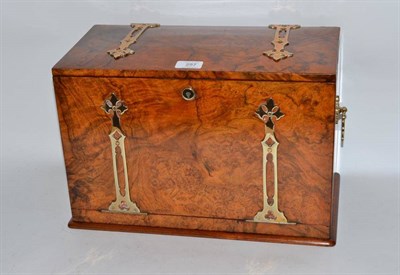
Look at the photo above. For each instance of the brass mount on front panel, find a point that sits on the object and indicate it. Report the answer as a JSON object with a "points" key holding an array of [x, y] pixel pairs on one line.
{"points": [[268, 112], [123, 202]]}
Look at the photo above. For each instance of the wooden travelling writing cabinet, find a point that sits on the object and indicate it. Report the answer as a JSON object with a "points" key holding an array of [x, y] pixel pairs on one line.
{"points": [[225, 132]]}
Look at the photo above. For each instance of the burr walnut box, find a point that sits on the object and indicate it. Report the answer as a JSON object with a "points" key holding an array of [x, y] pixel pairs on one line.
{"points": [[226, 132]]}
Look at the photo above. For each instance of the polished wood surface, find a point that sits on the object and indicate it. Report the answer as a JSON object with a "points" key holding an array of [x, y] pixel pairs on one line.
{"points": [[203, 233], [197, 164], [335, 208], [195, 167], [227, 53], [278, 237]]}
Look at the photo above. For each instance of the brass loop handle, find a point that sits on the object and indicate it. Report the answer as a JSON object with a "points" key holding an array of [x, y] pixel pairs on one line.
{"points": [[341, 114]]}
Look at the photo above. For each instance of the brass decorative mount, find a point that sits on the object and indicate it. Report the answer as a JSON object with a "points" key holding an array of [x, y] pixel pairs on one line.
{"points": [[281, 39], [137, 30], [268, 112], [123, 202]]}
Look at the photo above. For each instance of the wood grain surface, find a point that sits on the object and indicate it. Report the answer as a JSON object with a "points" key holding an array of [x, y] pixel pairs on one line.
{"points": [[198, 164], [292, 237], [204, 233], [227, 53]]}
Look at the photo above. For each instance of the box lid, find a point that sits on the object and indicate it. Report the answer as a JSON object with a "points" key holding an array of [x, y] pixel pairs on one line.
{"points": [[226, 53]]}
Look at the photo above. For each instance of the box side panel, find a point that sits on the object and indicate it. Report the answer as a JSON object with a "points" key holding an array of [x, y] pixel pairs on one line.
{"points": [[67, 144], [339, 84], [198, 164]]}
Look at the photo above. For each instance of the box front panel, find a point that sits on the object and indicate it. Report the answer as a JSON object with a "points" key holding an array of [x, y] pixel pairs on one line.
{"points": [[198, 164]]}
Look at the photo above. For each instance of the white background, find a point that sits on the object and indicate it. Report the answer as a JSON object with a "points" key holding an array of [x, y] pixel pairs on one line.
{"points": [[34, 198]]}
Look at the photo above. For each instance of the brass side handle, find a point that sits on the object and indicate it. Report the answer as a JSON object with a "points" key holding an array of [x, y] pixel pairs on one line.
{"points": [[341, 114], [131, 38]]}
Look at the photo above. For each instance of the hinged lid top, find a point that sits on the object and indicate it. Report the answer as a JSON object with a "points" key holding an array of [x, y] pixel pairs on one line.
{"points": [[225, 52]]}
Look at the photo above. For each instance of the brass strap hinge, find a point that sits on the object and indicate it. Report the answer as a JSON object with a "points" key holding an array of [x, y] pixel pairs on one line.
{"points": [[281, 39], [340, 114], [131, 38]]}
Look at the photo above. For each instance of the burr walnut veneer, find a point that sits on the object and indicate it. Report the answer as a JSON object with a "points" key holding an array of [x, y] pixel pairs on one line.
{"points": [[208, 148]]}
